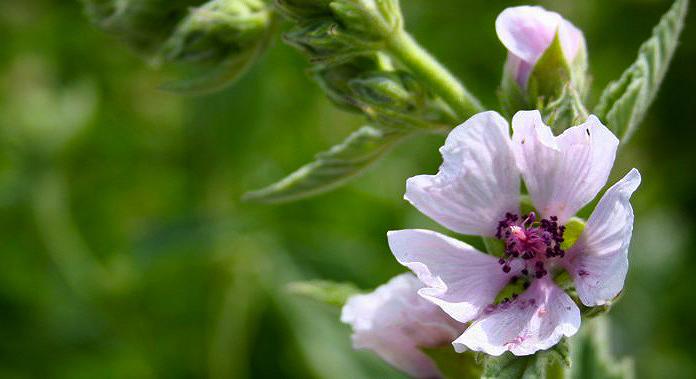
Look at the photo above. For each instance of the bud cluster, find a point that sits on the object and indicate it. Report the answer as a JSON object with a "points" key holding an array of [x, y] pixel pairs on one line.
{"points": [[220, 38], [347, 41]]}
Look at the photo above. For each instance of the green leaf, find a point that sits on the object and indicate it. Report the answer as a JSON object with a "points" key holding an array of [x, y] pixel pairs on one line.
{"points": [[332, 168], [591, 356], [543, 364], [624, 102], [455, 365], [324, 291]]}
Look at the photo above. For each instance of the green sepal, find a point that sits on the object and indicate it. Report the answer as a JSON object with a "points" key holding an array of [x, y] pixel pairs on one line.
{"points": [[494, 246], [325, 41], [573, 229], [544, 364], [550, 74]]}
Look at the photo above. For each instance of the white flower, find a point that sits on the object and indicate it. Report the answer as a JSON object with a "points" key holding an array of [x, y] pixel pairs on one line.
{"points": [[477, 192], [395, 323]]}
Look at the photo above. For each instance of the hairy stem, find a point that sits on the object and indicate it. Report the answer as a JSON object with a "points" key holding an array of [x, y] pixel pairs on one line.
{"points": [[405, 48]]}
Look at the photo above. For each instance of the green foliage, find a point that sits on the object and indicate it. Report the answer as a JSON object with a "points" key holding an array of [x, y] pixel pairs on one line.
{"points": [[574, 228], [218, 40], [591, 356], [333, 167], [361, 69], [544, 364], [324, 291], [223, 38], [624, 102], [455, 365]]}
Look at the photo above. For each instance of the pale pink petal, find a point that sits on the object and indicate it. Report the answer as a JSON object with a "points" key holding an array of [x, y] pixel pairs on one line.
{"points": [[478, 181], [536, 320], [598, 262], [394, 322], [527, 31], [458, 278], [562, 173]]}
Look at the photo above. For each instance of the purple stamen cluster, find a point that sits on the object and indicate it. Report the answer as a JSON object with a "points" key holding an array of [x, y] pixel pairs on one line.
{"points": [[533, 242]]}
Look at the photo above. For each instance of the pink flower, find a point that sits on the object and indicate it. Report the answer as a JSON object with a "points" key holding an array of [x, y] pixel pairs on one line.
{"points": [[477, 192], [528, 31], [395, 322]]}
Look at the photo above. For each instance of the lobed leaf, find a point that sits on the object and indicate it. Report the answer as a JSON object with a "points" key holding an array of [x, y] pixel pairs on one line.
{"points": [[624, 102]]}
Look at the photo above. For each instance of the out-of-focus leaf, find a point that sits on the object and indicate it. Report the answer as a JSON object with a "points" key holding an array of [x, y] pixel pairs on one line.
{"points": [[217, 40], [543, 364], [324, 291], [332, 168], [624, 102], [455, 365], [591, 356]]}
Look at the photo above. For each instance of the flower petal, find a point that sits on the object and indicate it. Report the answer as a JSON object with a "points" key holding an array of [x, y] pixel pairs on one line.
{"points": [[598, 262], [562, 173], [458, 278], [535, 321], [527, 31], [393, 321], [478, 181]]}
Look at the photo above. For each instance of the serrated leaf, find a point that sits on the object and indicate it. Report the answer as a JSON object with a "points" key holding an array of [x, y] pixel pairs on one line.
{"points": [[543, 364], [591, 357], [324, 291], [624, 102], [455, 365], [332, 168]]}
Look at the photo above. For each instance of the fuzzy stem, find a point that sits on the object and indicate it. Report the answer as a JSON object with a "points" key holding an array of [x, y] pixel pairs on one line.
{"points": [[405, 48]]}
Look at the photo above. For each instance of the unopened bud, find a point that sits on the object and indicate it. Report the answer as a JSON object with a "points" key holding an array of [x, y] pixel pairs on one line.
{"points": [[545, 53], [226, 35]]}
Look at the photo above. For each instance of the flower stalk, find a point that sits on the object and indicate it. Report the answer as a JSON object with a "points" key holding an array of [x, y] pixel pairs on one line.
{"points": [[425, 67]]}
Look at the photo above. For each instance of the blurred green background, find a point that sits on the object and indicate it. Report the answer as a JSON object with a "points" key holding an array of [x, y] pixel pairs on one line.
{"points": [[127, 253]]}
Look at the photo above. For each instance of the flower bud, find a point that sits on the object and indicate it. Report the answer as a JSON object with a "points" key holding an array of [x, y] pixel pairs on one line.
{"points": [[369, 19], [397, 99], [545, 52], [326, 41], [142, 24], [334, 78], [222, 37], [303, 9], [396, 323]]}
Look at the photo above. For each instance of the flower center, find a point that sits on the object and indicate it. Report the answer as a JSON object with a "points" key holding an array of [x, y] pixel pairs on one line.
{"points": [[534, 242]]}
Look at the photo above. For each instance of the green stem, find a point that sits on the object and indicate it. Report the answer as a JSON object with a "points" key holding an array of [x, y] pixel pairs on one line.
{"points": [[405, 48]]}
